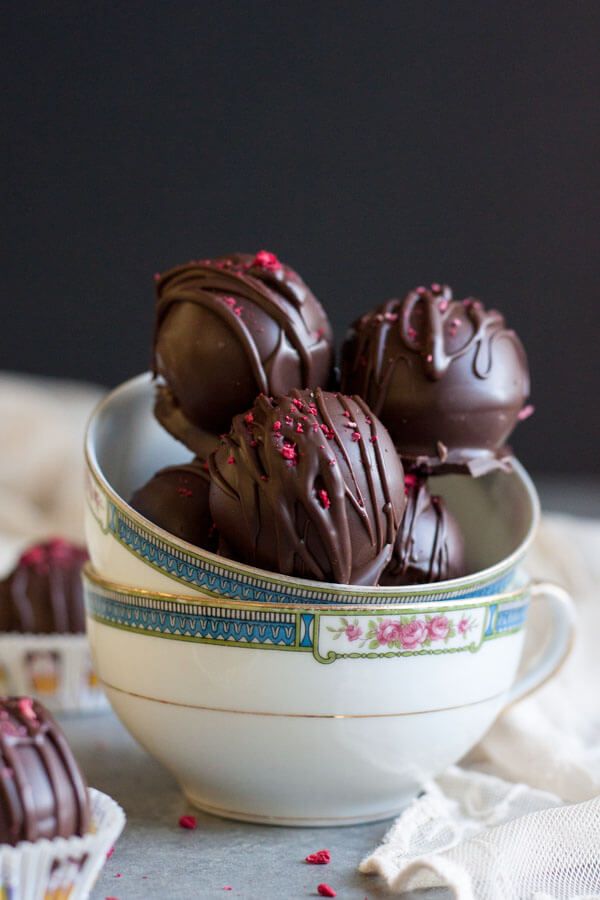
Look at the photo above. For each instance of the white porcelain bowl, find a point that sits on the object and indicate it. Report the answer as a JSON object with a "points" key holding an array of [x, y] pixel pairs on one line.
{"points": [[125, 446], [306, 715]]}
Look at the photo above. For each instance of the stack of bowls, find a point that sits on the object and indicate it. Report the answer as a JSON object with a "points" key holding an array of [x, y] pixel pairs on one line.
{"points": [[288, 701]]}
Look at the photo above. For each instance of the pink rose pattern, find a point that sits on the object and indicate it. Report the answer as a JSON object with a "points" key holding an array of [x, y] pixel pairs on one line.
{"points": [[353, 632], [407, 633]]}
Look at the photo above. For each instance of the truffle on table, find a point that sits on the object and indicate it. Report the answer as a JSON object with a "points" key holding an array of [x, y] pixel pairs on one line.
{"points": [[310, 485], [226, 330], [42, 791], [429, 545], [445, 376], [44, 594], [176, 499]]}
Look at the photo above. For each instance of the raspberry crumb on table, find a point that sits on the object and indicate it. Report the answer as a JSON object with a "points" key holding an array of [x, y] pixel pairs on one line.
{"points": [[325, 890], [320, 858], [187, 822]]}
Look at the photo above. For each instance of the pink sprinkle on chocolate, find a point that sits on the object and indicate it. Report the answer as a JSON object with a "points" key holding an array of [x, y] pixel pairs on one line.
{"points": [[411, 332], [325, 890], [410, 481], [290, 452], [266, 260], [185, 492], [421, 291], [277, 425], [264, 478], [356, 435], [249, 418], [289, 420], [26, 709], [429, 357], [526, 412], [325, 503], [332, 462], [253, 443], [443, 305], [299, 428], [436, 288], [390, 317], [374, 439], [188, 822], [298, 403], [319, 333], [320, 858], [346, 413], [231, 460]]}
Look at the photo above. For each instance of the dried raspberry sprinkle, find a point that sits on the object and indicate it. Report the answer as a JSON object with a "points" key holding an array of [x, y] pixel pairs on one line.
{"points": [[299, 428], [231, 460], [118, 875], [185, 492], [110, 852], [410, 481], [436, 288], [356, 435], [249, 418], [411, 332], [526, 412], [264, 478], [319, 333], [289, 420], [187, 822], [374, 439], [26, 708], [325, 890], [298, 403], [277, 425], [443, 305], [266, 260], [253, 443], [227, 887], [421, 291], [320, 858], [325, 503], [429, 357], [290, 452], [391, 317], [346, 413]]}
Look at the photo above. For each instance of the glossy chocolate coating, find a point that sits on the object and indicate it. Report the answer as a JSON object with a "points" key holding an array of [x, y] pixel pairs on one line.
{"points": [[429, 546], [44, 594], [42, 791], [228, 329], [176, 499], [309, 485], [445, 376]]}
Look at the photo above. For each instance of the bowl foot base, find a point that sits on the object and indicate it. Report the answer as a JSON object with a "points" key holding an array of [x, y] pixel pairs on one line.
{"points": [[292, 821]]}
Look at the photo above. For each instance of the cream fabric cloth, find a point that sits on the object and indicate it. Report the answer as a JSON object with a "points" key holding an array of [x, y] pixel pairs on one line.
{"points": [[521, 818]]}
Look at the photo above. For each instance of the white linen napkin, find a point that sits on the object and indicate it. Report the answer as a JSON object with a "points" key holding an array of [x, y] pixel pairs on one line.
{"points": [[521, 819]]}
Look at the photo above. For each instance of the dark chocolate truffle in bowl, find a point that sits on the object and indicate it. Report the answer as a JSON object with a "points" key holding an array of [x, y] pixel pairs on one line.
{"points": [[429, 546], [228, 329], [43, 594], [42, 791], [176, 499], [309, 484], [447, 377]]}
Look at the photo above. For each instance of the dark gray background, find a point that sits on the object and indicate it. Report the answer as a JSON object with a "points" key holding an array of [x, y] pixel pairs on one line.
{"points": [[372, 145]]}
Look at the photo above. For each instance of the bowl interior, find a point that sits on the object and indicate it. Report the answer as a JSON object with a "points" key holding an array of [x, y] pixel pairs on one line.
{"points": [[126, 446]]}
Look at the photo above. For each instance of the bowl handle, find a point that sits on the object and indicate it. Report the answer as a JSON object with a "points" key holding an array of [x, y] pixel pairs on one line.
{"points": [[561, 634]]}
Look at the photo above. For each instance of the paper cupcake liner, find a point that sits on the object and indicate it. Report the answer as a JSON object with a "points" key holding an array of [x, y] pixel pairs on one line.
{"points": [[54, 668], [63, 868]]}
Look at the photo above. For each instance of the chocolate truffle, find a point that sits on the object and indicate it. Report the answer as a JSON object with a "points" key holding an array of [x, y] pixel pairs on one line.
{"points": [[309, 485], [446, 377], [226, 330], [429, 546], [42, 791], [43, 594], [176, 499]]}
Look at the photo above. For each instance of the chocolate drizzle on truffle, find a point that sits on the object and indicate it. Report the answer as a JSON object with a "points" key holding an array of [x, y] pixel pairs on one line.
{"points": [[228, 329], [42, 791], [44, 593], [309, 485], [446, 377], [429, 546]]}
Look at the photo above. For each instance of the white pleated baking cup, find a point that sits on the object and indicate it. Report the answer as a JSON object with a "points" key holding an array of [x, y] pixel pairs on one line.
{"points": [[63, 867], [56, 669]]}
